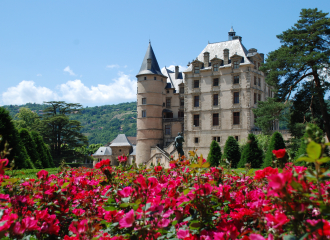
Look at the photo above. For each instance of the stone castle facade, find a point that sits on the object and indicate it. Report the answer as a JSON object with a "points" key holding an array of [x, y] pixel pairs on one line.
{"points": [[211, 100]]}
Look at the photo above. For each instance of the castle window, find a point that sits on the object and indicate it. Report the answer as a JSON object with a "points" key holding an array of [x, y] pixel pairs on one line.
{"points": [[196, 69], [259, 97], [167, 129], [236, 64], [255, 80], [236, 137], [196, 83], [163, 104], [145, 78], [144, 113], [216, 67], [215, 99], [259, 82], [255, 98], [196, 139], [236, 79], [144, 101], [155, 78], [215, 119], [196, 120], [180, 114], [216, 82], [235, 118], [196, 101], [168, 102], [181, 89], [181, 102], [236, 97], [217, 139]]}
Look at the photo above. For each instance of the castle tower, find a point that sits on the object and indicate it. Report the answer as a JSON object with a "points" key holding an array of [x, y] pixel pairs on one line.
{"points": [[231, 34], [150, 98]]}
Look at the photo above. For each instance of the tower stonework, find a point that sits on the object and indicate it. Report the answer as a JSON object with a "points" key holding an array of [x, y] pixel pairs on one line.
{"points": [[151, 85]]}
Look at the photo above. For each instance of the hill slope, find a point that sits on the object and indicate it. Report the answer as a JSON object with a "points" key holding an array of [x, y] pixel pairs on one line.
{"points": [[101, 123]]}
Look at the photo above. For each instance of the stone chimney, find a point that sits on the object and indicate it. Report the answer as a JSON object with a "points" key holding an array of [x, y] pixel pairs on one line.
{"points": [[206, 59], [226, 56], [149, 63], [176, 72]]}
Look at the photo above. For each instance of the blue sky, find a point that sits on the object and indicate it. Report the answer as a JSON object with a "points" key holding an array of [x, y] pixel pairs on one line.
{"points": [[90, 51]]}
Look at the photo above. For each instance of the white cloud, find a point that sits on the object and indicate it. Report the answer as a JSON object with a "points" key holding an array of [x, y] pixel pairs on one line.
{"points": [[39, 75], [172, 68], [113, 66], [25, 92], [67, 69], [121, 89]]}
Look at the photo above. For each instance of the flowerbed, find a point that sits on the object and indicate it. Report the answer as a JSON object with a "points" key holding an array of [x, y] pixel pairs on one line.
{"points": [[189, 201]]}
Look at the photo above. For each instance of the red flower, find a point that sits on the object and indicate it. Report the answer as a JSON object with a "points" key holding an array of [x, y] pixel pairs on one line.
{"points": [[42, 175], [279, 153], [158, 168], [122, 158], [3, 163]]}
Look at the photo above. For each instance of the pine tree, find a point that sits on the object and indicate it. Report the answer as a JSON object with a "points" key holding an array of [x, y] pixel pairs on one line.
{"points": [[10, 134], [215, 154], [41, 150], [231, 152], [49, 156], [276, 143], [30, 147], [251, 153]]}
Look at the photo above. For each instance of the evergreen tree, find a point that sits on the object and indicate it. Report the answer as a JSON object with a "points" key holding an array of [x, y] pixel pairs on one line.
{"points": [[30, 147], [215, 154], [10, 134], [40, 149], [276, 143], [251, 153], [49, 156], [231, 152]]}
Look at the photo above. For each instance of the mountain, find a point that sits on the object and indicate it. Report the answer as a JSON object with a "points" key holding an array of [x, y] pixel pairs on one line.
{"points": [[101, 123]]}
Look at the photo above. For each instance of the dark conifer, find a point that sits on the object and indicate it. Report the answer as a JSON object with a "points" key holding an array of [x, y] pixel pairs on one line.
{"points": [[41, 150], [215, 154], [252, 153], [30, 147], [231, 151], [276, 143]]}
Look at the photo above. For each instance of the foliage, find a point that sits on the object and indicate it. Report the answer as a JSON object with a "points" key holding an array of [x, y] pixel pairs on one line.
{"points": [[214, 155], [11, 136], [232, 152], [251, 153], [40, 149], [303, 56], [48, 154], [27, 119], [276, 143], [30, 147], [263, 141]]}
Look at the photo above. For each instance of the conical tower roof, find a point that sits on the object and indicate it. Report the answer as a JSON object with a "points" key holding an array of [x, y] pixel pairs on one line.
{"points": [[154, 64]]}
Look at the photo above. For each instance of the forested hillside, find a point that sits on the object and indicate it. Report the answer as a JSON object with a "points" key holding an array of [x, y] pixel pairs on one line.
{"points": [[101, 123]]}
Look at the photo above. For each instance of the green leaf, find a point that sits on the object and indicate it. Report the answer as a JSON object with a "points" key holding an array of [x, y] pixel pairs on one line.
{"points": [[146, 207], [314, 150], [186, 191], [324, 160], [65, 185], [194, 165], [206, 165], [124, 205], [289, 237], [109, 208], [306, 159]]}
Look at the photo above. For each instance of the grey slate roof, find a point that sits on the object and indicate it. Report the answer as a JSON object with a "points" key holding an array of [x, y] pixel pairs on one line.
{"points": [[216, 49], [120, 140], [154, 64], [103, 151], [173, 82]]}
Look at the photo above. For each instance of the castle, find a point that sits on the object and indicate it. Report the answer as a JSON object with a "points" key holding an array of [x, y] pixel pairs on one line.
{"points": [[211, 100]]}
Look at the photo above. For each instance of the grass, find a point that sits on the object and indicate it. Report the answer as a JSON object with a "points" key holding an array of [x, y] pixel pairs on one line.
{"points": [[29, 173]]}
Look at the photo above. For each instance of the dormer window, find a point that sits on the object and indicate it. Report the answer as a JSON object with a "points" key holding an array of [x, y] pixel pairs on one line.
{"points": [[236, 64], [215, 67], [196, 69]]}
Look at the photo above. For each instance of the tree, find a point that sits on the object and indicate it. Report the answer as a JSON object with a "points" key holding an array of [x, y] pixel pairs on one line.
{"points": [[231, 151], [49, 156], [40, 149], [10, 135], [30, 147], [27, 119], [60, 132], [251, 153], [214, 155], [303, 56], [276, 142]]}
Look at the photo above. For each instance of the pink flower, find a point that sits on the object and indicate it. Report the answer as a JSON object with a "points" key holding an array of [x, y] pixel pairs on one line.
{"points": [[127, 220], [279, 181], [182, 233], [126, 192], [259, 237], [79, 227], [30, 223], [6, 221], [279, 153], [18, 229], [122, 158], [42, 175], [163, 223], [278, 220], [260, 174], [78, 211], [3, 163]]}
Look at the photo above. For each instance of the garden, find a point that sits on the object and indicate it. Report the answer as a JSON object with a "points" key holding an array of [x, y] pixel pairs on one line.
{"points": [[189, 201]]}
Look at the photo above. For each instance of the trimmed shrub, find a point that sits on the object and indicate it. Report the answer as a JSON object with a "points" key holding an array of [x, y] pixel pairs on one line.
{"points": [[215, 154], [40, 148], [252, 153], [49, 156], [30, 147], [10, 134], [232, 152], [276, 143]]}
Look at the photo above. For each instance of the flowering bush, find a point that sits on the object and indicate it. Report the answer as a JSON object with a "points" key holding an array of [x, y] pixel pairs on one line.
{"points": [[188, 201]]}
